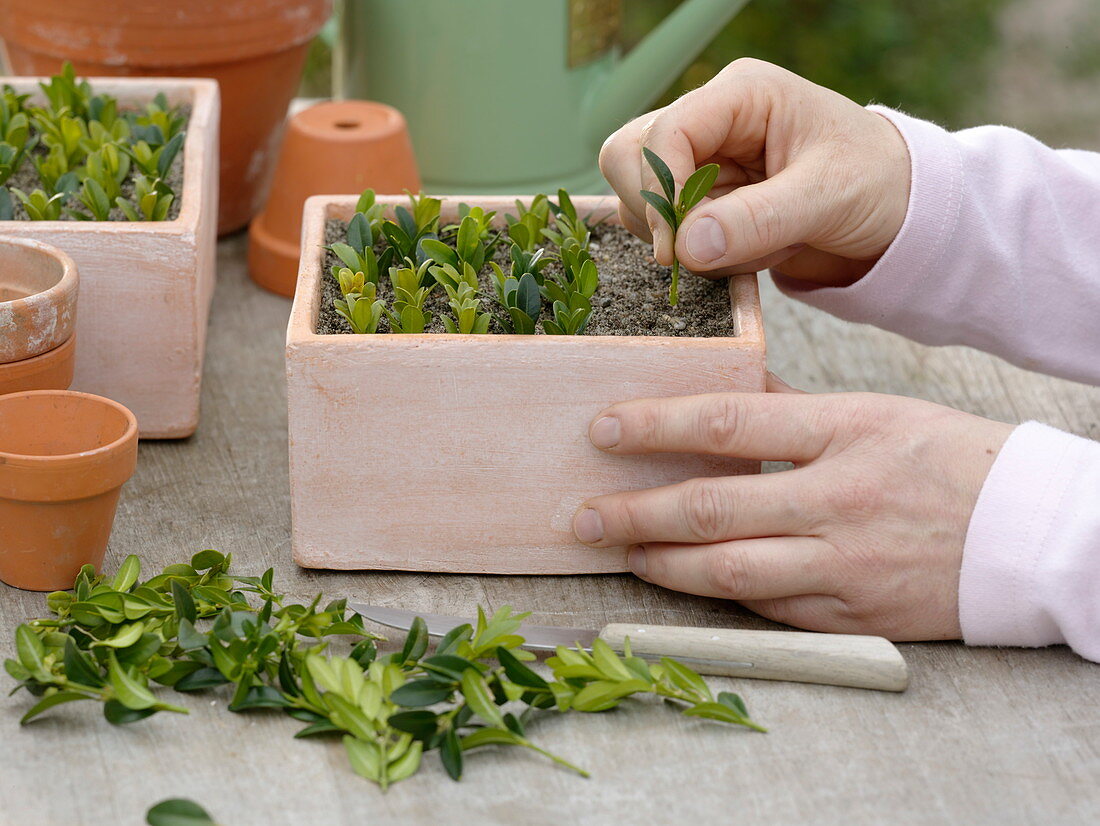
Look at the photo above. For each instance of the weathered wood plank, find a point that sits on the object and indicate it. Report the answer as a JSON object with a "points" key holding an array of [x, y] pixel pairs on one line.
{"points": [[981, 736]]}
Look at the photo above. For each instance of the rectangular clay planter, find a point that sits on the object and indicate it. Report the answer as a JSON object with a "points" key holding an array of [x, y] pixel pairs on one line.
{"points": [[145, 287], [469, 453]]}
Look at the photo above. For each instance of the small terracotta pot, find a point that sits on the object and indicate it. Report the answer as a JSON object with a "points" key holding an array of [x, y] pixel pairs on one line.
{"points": [[52, 370], [255, 49], [38, 285], [332, 147], [64, 457]]}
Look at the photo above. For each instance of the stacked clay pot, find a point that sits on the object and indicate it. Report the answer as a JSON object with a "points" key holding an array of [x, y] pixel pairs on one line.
{"points": [[38, 291]]}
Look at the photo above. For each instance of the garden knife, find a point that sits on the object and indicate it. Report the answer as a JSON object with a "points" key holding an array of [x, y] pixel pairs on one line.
{"points": [[828, 659]]}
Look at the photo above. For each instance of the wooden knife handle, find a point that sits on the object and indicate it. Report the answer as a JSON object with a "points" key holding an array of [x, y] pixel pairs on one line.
{"points": [[798, 656]]}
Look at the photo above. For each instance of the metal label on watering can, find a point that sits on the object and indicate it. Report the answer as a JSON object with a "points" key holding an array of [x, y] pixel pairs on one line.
{"points": [[593, 29]]}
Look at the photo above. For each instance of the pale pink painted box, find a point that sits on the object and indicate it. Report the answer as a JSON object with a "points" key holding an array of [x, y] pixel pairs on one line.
{"points": [[145, 287], [470, 453]]}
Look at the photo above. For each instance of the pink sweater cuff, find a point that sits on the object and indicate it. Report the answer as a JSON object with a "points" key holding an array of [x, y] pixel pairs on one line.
{"points": [[1030, 573]]}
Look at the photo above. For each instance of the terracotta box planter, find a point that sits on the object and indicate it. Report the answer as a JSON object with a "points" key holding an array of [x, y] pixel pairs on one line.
{"points": [[470, 453], [145, 287]]}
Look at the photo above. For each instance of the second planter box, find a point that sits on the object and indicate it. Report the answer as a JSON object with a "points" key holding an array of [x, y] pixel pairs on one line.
{"points": [[469, 453]]}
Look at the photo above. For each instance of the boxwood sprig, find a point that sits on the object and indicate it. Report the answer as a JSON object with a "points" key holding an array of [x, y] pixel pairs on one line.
{"points": [[196, 627], [673, 209]]}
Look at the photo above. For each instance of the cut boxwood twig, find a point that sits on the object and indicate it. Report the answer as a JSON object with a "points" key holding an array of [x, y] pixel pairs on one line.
{"points": [[673, 209]]}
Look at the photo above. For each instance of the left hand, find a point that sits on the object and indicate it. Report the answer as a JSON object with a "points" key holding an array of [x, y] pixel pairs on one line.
{"points": [[865, 535]]}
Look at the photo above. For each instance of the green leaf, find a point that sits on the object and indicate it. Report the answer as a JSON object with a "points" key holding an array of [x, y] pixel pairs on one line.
{"points": [[16, 670], [359, 234], [420, 724], [663, 207], [419, 693], [260, 696], [480, 699], [406, 765], [449, 666], [117, 714], [452, 639], [439, 252], [608, 661], [79, 666], [734, 702], [684, 678], [30, 650], [416, 641], [528, 298], [697, 186], [490, 736], [185, 604], [450, 752], [178, 812], [204, 560], [604, 694], [723, 713], [127, 574], [126, 636], [129, 691], [188, 638], [168, 154], [663, 173], [519, 673], [49, 701], [314, 729], [364, 758]]}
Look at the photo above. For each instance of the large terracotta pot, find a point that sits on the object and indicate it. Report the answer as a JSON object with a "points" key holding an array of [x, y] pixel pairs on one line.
{"points": [[253, 48], [64, 457]]}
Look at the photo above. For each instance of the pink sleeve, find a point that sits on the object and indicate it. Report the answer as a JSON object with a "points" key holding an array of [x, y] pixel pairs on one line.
{"points": [[1000, 250], [1031, 563]]}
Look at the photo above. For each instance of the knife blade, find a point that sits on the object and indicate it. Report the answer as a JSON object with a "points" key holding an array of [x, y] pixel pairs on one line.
{"points": [[796, 656]]}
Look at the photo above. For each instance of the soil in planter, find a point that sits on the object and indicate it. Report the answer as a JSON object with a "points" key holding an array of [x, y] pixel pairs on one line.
{"points": [[632, 299], [26, 179]]}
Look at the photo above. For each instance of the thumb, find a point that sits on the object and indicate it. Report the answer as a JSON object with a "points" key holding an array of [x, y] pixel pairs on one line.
{"points": [[749, 223]]}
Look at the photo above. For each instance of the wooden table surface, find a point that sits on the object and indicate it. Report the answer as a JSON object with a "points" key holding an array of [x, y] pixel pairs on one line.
{"points": [[981, 736]]}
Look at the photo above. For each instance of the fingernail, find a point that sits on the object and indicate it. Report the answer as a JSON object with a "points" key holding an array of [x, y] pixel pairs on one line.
{"points": [[605, 432], [588, 526], [705, 240], [635, 558]]}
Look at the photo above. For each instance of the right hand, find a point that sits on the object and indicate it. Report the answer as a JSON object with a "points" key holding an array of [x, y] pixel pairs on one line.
{"points": [[811, 184]]}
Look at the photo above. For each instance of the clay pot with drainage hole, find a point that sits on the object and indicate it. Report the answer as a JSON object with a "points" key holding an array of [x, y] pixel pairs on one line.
{"points": [[64, 457], [38, 292], [332, 147]]}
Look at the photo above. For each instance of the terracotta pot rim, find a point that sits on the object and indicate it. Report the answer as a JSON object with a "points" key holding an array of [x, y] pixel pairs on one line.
{"points": [[61, 294], [10, 370], [38, 460], [210, 34]]}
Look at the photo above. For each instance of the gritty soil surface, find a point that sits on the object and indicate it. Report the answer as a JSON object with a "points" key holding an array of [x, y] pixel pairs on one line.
{"points": [[26, 179], [632, 299]]}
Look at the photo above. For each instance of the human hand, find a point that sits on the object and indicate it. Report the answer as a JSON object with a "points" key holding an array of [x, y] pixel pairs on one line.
{"points": [[811, 184], [865, 534]]}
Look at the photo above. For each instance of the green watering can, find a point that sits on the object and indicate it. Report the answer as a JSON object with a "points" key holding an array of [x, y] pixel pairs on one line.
{"points": [[512, 96]]}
